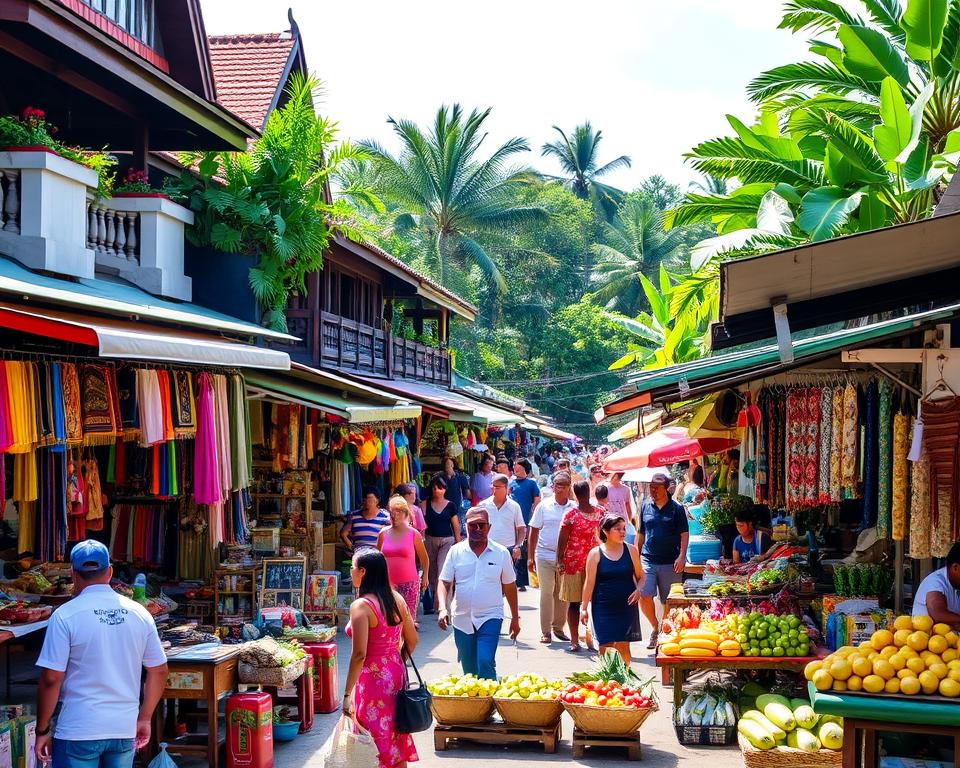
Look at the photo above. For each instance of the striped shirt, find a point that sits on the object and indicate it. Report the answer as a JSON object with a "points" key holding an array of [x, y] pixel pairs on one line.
{"points": [[363, 532]]}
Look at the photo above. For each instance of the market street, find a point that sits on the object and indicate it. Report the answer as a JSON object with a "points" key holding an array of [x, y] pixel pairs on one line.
{"points": [[436, 656]]}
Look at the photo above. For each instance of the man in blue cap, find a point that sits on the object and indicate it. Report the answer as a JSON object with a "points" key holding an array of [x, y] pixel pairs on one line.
{"points": [[92, 659]]}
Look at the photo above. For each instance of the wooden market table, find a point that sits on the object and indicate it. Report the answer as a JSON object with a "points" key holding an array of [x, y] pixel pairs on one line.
{"points": [[865, 716], [199, 674], [680, 665], [10, 632]]}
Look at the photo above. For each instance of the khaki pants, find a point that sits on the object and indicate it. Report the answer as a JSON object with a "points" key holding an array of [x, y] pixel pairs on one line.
{"points": [[437, 548], [553, 611]]}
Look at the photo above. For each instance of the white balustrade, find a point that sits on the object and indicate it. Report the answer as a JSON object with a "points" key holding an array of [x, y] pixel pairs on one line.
{"points": [[112, 234]]}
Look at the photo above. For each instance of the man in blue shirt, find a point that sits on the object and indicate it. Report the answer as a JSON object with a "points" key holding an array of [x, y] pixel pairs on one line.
{"points": [[525, 491], [662, 540]]}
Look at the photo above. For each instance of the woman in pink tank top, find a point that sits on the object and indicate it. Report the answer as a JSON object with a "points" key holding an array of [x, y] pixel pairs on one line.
{"points": [[402, 546]]}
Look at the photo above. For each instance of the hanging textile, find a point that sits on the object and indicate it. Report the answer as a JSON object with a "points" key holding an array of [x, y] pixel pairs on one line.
{"points": [[22, 399], [183, 404], [72, 409], [221, 405], [93, 501], [826, 444], [941, 442], [99, 401], [811, 463], [240, 456], [150, 407], [76, 499], [778, 459], [836, 446], [6, 418], [885, 459], [870, 451], [898, 501], [25, 482], [127, 391], [163, 381], [796, 447], [850, 451], [920, 508], [52, 505], [206, 478], [255, 409], [762, 482]]}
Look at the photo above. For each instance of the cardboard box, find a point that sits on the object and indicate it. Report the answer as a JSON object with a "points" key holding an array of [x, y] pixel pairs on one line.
{"points": [[329, 560]]}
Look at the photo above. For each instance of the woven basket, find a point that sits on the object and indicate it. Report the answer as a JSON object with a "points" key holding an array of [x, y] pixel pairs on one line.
{"points": [[614, 721], [531, 714], [278, 677], [788, 757], [462, 710]]}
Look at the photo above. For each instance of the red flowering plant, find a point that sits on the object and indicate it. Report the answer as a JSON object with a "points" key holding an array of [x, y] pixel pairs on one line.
{"points": [[31, 129], [134, 180]]}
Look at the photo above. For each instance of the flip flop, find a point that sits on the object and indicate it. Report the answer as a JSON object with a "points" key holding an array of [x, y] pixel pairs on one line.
{"points": [[561, 636], [545, 639], [575, 649]]}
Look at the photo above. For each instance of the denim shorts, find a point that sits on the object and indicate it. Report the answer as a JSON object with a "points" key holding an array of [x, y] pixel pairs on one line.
{"points": [[97, 753], [658, 578]]}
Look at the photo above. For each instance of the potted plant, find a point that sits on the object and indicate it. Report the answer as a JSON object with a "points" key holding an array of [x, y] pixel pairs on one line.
{"points": [[136, 183], [30, 132]]}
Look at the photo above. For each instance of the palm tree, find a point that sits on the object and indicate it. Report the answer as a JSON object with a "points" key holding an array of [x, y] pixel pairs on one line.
{"points": [[579, 161], [711, 185], [636, 245], [445, 196]]}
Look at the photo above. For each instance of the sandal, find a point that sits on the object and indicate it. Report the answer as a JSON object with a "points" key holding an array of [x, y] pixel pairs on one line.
{"points": [[545, 639], [653, 641], [574, 649], [561, 636]]}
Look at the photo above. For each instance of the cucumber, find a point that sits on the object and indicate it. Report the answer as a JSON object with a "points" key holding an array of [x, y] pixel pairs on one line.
{"points": [[758, 717], [780, 715], [755, 734]]}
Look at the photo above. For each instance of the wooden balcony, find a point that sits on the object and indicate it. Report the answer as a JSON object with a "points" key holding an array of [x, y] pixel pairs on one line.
{"points": [[356, 347]]}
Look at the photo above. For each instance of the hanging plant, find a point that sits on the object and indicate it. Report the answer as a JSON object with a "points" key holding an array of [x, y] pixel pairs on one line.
{"points": [[270, 201]]}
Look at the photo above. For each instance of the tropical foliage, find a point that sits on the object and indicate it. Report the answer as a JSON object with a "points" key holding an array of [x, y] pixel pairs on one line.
{"points": [[446, 197], [270, 200], [578, 156]]}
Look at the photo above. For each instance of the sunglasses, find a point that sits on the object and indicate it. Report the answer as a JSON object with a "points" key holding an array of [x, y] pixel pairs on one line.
{"points": [[477, 526]]}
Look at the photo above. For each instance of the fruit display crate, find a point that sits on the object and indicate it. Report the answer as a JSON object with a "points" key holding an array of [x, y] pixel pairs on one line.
{"points": [[497, 732], [788, 757], [706, 735], [887, 707]]}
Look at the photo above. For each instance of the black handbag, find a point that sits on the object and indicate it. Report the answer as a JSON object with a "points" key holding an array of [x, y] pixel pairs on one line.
{"points": [[414, 713]]}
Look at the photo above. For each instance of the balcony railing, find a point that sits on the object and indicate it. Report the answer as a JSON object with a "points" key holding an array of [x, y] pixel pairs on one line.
{"points": [[52, 220], [352, 346]]}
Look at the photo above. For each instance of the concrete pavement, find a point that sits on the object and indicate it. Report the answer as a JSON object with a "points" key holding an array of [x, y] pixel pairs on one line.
{"points": [[436, 656]]}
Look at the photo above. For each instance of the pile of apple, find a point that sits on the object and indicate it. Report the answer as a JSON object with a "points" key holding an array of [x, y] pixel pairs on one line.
{"points": [[609, 693]]}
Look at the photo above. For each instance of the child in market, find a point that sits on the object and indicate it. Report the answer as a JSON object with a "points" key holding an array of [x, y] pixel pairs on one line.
{"points": [[750, 543]]}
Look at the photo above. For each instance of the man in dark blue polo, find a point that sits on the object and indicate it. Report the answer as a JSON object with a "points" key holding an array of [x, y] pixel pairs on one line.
{"points": [[662, 540]]}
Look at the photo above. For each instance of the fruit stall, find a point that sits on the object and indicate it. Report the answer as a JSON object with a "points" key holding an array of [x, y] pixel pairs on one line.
{"points": [[607, 705]]}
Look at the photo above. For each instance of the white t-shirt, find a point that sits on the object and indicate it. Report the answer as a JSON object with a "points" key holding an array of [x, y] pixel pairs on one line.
{"points": [[478, 594], [936, 582], [102, 641], [547, 517], [504, 521], [617, 496]]}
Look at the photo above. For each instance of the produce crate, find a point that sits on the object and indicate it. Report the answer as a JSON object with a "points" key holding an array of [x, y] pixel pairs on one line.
{"points": [[788, 757], [628, 741], [523, 713], [496, 732], [706, 735]]}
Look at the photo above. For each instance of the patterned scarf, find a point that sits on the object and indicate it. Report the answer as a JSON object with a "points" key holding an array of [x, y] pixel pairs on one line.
{"points": [[6, 418], [71, 404], [851, 431], [836, 447], [183, 404], [100, 404], [826, 443], [870, 458], [796, 447], [901, 444], [129, 411], [885, 465], [920, 509], [811, 461]]}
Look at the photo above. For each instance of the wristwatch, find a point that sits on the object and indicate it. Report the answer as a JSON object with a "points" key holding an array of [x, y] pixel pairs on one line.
{"points": [[44, 731]]}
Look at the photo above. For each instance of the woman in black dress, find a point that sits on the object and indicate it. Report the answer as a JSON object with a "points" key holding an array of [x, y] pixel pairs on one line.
{"points": [[612, 588]]}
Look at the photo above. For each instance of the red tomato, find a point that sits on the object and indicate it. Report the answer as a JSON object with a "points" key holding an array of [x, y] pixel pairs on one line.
{"points": [[602, 700]]}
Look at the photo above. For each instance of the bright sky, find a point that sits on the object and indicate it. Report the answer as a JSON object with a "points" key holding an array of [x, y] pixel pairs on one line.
{"points": [[655, 77]]}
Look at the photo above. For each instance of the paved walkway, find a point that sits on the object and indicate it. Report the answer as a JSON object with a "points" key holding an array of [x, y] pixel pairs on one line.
{"points": [[436, 656]]}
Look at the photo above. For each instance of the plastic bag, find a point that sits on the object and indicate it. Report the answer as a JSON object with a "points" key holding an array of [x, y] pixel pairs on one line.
{"points": [[162, 760], [349, 746]]}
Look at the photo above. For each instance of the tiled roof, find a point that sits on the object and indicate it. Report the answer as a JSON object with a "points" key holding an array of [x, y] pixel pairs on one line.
{"points": [[247, 70]]}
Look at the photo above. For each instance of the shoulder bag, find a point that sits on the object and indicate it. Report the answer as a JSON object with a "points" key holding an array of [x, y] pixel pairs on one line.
{"points": [[414, 713]]}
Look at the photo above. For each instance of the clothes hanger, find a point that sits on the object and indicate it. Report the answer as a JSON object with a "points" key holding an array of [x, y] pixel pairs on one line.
{"points": [[940, 385]]}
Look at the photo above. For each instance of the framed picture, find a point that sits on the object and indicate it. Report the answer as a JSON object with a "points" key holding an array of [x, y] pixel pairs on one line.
{"points": [[282, 581], [321, 592]]}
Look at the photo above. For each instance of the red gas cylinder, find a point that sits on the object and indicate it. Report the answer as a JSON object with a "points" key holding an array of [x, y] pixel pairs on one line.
{"points": [[326, 684], [250, 730]]}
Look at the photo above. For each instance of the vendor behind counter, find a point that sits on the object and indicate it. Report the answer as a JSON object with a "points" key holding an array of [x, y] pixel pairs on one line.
{"points": [[938, 595]]}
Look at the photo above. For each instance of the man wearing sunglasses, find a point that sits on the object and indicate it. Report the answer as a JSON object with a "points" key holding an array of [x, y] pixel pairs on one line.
{"points": [[480, 574]]}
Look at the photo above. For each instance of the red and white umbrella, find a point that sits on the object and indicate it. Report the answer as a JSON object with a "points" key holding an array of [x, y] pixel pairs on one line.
{"points": [[665, 446]]}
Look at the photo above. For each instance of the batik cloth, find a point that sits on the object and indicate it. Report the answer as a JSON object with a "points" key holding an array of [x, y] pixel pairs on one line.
{"points": [[898, 501], [826, 443], [850, 449], [796, 447], [885, 456], [919, 547], [98, 404]]}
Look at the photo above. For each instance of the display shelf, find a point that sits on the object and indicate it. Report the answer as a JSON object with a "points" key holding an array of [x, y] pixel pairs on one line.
{"points": [[285, 497], [234, 595]]}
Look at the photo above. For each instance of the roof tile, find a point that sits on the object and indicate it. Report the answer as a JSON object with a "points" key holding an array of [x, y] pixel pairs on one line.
{"points": [[247, 70]]}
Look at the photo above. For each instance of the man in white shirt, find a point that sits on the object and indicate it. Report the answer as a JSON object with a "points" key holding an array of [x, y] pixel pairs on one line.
{"points": [[480, 573], [938, 595], [92, 658], [506, 518], [542, 555]]}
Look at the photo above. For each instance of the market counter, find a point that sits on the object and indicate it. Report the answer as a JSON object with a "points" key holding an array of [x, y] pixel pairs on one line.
{"points": [[866, 715], [202, 673]]}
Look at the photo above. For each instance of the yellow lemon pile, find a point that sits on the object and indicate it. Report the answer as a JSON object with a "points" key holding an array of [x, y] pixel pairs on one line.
{"points": [[914, 656], [465, 686]]}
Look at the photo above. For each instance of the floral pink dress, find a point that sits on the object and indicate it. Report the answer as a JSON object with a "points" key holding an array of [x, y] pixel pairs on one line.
{"points": [[375, 697]]}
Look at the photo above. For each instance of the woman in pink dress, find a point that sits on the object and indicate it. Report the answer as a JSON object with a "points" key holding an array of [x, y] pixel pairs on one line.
{"points": [[379, 619], [578, 535], [403, 547]]}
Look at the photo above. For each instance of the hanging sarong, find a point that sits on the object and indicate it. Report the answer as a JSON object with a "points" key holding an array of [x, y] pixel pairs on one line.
{"points": [[72, 409], [150, 407], [941, 441], [811, 462], [127, 391], [920, 522], [206, 473], [850, 451], [826, 444], [885, 459], [836, 446], [100, 424], [796, 447], [898, 501], [183, 405]]}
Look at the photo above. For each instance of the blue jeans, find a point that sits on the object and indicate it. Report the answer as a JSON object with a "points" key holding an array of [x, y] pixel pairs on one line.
{"points": [[101, 753], [478, 652]]}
